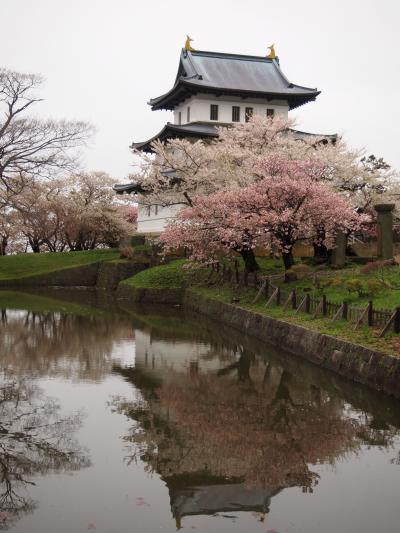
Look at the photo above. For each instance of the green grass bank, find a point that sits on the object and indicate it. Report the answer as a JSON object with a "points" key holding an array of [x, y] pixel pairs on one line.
{"points": [[20, 266]]}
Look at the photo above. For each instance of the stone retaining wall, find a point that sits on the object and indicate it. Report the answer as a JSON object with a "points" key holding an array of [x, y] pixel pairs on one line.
{"points": [[79, 276], [378, 370], [152, 296], [103, 274], [112, 272]]}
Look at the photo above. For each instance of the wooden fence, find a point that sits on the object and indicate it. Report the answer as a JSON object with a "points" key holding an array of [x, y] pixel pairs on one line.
{"points": [[272, 294]]}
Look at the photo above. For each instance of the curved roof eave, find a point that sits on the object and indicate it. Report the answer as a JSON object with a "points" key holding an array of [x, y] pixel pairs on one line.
{"points": [[167, 100], [171, 131]]}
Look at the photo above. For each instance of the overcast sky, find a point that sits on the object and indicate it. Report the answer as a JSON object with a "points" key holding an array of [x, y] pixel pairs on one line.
{"points": [[104, 59]]}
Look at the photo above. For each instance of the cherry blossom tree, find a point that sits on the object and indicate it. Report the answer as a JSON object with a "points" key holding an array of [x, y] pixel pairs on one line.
{"points": [[275, 212], [93, 216], [76, 212], [181, 170]]}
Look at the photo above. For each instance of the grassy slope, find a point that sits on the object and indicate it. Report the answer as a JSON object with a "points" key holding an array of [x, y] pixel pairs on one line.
{"points": [[169, 276], [387, 297], [173, 275], [23, 265]]}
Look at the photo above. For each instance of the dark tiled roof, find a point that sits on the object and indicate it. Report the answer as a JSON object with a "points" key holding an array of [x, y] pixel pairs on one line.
{"points": [[234, 75], [204, 130], [199, 130]]}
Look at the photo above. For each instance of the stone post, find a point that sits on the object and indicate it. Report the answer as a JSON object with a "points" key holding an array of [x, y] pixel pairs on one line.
{"points": [[385, 230], [339, 252]]}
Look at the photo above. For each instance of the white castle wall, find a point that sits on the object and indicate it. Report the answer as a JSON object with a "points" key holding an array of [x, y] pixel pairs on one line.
{"points": [[200, 108], [153, 219], [159, 356]]}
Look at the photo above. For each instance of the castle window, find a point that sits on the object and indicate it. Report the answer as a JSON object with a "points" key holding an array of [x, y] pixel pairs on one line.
{"points": [[271, 113], [156, 209], [235, 113], [249, 113], [213, 112], [188, 114], [148, 210], [179, 118]]}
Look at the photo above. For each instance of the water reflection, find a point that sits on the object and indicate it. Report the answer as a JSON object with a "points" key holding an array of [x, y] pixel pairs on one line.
{"points": [[225, 422], [228, 428], [55, 344], [34, 439]]}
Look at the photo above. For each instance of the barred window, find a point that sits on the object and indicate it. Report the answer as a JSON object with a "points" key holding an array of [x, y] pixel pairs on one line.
{"points": [[235, 113], [213, 112], [188, 114], [249, 113], [271, 113]]}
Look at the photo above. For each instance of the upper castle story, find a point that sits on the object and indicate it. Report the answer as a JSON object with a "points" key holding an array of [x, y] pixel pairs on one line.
{"points": [[220, 88]]}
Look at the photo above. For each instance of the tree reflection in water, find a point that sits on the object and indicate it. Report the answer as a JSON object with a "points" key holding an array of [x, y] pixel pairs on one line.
{"points": [[251, 423], [56, 344], [34, 439]]}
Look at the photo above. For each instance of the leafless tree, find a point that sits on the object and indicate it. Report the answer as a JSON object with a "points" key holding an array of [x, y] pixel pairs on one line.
{"points": [[29, 146], [34, 440]]}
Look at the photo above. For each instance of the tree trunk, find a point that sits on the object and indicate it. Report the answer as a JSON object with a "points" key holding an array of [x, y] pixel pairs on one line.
{"points": [[34, 244], [250, 262], [288, 260], [320, 250], [3, 245], [244, 365]]}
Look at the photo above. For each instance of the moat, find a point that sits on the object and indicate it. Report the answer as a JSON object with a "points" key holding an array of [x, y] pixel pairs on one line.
{"points": [[120, 419]]}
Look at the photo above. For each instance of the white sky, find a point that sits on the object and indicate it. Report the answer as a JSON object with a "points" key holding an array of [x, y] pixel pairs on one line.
{"points": [[104, 59]]}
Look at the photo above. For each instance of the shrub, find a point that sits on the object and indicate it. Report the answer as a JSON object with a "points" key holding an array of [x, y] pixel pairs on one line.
{"points": [[374, 266], [333, 282], [355, 285], [126, 252], [374, 286], [299, 271]]}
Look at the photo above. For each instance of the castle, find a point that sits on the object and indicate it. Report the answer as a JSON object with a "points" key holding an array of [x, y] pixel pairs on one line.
{"points": [[217, 89]]}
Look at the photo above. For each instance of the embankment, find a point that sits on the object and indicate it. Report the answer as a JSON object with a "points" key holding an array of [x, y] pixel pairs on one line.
{"points": [[102, 274], [378, 370]]}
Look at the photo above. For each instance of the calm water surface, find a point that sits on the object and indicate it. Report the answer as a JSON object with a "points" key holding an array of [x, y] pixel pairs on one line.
{"points": [[118, 419]]}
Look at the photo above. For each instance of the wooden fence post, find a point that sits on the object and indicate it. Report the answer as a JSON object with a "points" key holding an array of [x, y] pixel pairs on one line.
{"points": [[291, 298], [276, 295], [370, 314], [307, 303], [324, 306], [397, 321], [266, 288], [345, 310], [294, 300], [361, 317]]}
